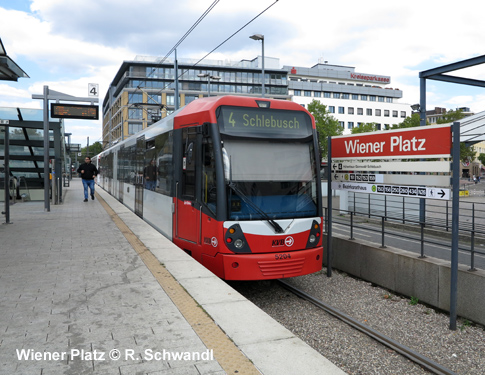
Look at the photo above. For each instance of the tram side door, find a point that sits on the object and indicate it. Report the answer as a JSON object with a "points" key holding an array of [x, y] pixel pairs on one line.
{"points": [[139, 179], [188, 208], [121, 173]]}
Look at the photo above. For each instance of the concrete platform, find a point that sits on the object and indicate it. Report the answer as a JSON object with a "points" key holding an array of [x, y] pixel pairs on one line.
{"points": [[89, 288]]}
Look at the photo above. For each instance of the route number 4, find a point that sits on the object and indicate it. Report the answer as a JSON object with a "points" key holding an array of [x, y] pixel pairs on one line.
{"points": [[93, 89]]}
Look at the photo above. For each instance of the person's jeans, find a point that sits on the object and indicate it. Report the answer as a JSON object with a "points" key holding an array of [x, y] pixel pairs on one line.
{"points": [[87, 183]]}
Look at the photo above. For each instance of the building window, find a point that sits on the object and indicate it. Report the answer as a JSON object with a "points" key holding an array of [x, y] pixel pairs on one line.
{"points": [[135, 113], [378, 112], [135, 98], [345, 96], [403, 114], [170, 99], [360, 111], [317, 94], [378, 126], [369, 111], [350, 110], [355, 97], [342, 124], [386, 113], [394, 113], [341, 110], [372, 98], [389, 100], [350, 125], [307, 93], [336, 95], [331, 109], [297, 92], [380, 98], [134, 127], [363, 97], [327, 95], [387, 126]]}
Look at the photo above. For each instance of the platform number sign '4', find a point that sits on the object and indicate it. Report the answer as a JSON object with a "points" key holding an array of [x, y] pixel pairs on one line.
{"points": [[93, 89]]}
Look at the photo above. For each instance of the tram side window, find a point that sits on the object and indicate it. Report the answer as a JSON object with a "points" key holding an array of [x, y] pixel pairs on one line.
{"points": [[130, 164], [164, 163], [209, 193]]}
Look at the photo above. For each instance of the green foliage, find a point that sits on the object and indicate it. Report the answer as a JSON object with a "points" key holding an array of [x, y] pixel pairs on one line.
{"points": [[326, 125], [94, 149], [414, 301], [409, 122], [481, 157], [451, 116], [365, 128], [467, 153]]}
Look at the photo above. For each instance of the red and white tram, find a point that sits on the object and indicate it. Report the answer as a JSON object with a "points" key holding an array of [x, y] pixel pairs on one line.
{"points": [[234, 181]]}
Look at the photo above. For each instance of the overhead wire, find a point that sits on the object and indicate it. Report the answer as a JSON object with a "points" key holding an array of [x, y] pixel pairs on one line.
{"points": [[205, 56]]}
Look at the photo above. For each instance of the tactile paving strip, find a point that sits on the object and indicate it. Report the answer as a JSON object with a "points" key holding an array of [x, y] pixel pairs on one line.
{"points": [[231, 359]]}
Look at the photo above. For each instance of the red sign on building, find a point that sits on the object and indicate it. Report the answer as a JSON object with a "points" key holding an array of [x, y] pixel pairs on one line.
{"points": [[423, 142]]}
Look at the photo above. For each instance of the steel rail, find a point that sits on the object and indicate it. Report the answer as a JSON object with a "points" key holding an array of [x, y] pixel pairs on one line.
{"points": [[421, 360]]}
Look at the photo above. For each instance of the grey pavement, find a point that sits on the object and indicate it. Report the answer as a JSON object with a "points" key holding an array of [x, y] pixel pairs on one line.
{"points": [[73, 291], [72, 286]]}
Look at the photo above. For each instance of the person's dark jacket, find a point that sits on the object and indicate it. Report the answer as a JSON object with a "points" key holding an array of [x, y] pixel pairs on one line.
{"points": [[90, 171]]}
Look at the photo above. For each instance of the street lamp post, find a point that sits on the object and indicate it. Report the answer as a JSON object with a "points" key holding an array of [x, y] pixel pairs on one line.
{"points": [[261, 38], [209, 77]]}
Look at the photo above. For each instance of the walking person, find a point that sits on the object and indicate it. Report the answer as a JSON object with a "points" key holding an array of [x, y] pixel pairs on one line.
{"points": [[88, 173]]}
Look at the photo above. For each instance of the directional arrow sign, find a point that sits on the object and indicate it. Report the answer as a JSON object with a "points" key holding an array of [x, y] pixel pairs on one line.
{"points": [[397, 190]]}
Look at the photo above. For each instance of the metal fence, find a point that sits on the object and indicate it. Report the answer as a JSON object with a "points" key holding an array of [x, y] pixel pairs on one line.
{"points": [[380, 213]]}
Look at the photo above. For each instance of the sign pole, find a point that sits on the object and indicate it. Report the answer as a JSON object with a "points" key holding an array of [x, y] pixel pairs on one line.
{"points": [[47, 206], [329, 208], [455, 224]]}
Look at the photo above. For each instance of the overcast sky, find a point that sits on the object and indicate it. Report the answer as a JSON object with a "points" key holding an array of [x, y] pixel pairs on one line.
{"points": [[67, 44]]}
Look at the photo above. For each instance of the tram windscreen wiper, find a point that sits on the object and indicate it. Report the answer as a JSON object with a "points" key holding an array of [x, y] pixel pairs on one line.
{"points": [[250, 203]]}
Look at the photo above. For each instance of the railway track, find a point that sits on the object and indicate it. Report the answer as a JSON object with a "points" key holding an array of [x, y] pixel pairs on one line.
{"points": [[405, 351]]}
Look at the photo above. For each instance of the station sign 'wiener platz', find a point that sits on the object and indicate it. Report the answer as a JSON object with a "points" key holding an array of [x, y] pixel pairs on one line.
{"points": [[357, 162]]}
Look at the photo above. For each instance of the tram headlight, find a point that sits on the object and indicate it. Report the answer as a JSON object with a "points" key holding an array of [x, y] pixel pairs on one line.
{"points": [[314, 235], [235, 240], [239, 243]]}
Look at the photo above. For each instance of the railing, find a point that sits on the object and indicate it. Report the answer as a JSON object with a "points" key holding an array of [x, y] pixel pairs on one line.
{"points": [[383, 214]]}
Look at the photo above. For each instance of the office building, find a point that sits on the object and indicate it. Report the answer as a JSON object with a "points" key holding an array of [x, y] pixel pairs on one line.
{"points": [[352, 98], [143, 89]]}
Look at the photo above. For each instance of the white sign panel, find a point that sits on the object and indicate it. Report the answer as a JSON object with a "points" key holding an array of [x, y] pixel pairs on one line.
{"points": [[93, 89], [396, 190], [396, 179], [391, 166]]}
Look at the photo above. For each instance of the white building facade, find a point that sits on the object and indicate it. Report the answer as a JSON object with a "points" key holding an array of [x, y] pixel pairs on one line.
{"points": [[352, 98]]}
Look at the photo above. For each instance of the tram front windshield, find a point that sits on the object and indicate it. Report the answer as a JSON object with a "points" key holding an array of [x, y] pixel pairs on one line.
{"points": [[270, 179]]}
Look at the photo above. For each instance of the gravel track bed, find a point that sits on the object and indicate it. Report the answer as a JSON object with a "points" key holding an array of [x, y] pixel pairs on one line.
{"points": [[417, 326]]}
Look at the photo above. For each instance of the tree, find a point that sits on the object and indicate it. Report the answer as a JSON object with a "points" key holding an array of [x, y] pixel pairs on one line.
{"points": [[467, 153], [409, 122], [326, 125], [94, 149], [481, 157], [365, 128], [451, 116]]}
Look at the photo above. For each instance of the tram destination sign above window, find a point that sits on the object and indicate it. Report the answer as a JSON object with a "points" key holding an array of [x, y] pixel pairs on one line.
{"points": [[261, 123], [75, 111]]}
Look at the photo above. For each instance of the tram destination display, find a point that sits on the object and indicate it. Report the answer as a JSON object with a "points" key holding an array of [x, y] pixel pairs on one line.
{"points": [[259, 122], [75, 111]]}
